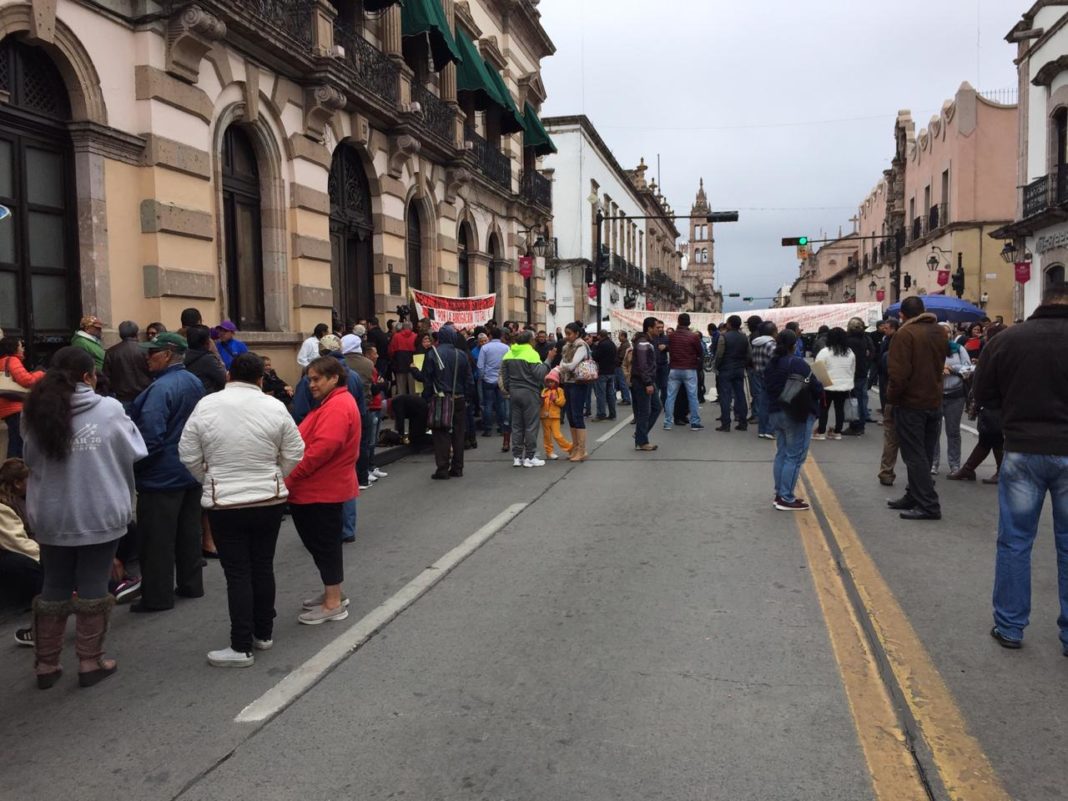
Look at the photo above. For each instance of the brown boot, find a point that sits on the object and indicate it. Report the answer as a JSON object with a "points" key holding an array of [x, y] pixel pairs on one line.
{"points": [[578, 448], [507, 444], [49, 626], [91, 626]]}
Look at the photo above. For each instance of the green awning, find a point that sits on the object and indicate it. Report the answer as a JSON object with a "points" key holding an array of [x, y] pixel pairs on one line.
{"points": [[420, 17], [535, 135], [472, 75], [511, 119]]}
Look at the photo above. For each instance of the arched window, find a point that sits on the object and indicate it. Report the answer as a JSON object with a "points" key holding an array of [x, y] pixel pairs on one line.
{"points": [[464, 266], [1054, 274], [39, 299], [351, 234], [704, 255], [415, 247], [242, 230]]}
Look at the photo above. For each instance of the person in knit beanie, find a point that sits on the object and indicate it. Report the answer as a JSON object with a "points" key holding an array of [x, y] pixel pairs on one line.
{"points": [[552, 406]]}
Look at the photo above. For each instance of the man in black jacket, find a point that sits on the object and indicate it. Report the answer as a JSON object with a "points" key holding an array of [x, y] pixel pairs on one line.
{"points": [[864, 350], [1023, 372], [447, 371], [643, 389], [125, 365], [201, 361], [605, 354], [890, 443], [732, 358]]}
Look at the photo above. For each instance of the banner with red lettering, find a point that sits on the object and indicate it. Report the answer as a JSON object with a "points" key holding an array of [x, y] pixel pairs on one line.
{"points": [[462, 312]]}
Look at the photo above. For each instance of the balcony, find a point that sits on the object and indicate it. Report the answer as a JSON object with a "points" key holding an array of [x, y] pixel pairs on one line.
{"points": [[489, 161], [536, 189], [292, 20], [1036, 197], [917, 228], [438, 117], [370, 68]]}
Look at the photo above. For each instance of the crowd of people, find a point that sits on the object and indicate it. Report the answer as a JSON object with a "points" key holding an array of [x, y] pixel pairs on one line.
{"points": [[200, 442]]}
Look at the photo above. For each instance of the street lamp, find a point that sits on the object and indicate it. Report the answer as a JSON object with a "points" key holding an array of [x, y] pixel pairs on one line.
{"points": [[932, 263], [872, 286], [1008, 253], [598, 276]]}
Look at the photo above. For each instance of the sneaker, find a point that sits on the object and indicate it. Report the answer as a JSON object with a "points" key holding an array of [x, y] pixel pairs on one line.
{"points": [[834, 435], [364, 487], [314, 603], [696, 427], [313, 617], [534, 461], [796, 505], [24, 636], [667, 426], [647, 447], [372, 478], [517, 462], [379, 473], [816, 437], [262, 645], [127, 589], [552, 456], [228, 657]]}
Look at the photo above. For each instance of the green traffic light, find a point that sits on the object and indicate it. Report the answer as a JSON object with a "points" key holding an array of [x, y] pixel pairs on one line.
{"points": [[802, 240]]}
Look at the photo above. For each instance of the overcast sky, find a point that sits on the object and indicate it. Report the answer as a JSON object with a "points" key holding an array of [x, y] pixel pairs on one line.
{"points": [[786, 108]]}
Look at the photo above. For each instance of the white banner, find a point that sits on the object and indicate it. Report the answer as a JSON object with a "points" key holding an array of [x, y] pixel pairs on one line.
{"points": [[810, 318]]}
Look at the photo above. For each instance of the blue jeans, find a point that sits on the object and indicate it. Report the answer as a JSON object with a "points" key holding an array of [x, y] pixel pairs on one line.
{"points": [[646, 410], [860, 392], [677, 378], [605, 390], [662, 371], [493, 406], [791, 449], [363, 461], [14, 435], [376, 423], [731, 385], [348, 520], [578, 396], [1023, 482], [621, 385], [761, 402]]}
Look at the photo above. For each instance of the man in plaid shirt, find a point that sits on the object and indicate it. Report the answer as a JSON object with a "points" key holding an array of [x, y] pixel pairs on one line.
{"points": [[762, 350]]}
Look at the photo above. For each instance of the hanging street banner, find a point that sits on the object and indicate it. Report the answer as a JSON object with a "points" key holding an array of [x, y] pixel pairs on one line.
{"points": [[809, 317], [526, 266], [462, 312]]}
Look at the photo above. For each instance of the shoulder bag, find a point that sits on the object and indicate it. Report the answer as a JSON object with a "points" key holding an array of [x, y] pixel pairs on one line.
{"points": [[442, 406], [796, 396], [586, 372], [10, 389]]}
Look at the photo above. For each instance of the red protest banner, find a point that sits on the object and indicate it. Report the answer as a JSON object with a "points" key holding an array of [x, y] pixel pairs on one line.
{"points": [[462, 312]]}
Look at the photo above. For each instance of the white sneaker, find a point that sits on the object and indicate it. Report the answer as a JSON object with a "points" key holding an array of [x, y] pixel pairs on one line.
{"points": [[379, 473], [533, 461], [228, 657], [313, 617], [372, 477], [517, 462], [554, 456], [262, 645], [364, 487]]}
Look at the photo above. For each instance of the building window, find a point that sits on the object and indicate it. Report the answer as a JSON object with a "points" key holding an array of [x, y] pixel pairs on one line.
{"points": [[704, 255], [244, 235], [39, 299], [463, 262], [415, 247], [1054, 274], [351, 232]]}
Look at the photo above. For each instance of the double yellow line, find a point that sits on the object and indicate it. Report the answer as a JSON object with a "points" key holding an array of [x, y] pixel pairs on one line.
{"points": [[963, 768]]}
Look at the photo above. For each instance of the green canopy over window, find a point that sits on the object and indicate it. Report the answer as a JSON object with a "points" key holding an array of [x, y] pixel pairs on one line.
{"points": [[420, 17], [535, 135], [511, 119], [472, 75]]}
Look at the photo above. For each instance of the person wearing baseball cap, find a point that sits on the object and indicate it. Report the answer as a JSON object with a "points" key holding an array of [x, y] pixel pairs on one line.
{"points": [[168, 496], [229, 347], [87, 337]]}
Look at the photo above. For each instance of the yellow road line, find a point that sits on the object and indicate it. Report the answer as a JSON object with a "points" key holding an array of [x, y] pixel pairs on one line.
{"points": [[893, 771], [962, 764]]}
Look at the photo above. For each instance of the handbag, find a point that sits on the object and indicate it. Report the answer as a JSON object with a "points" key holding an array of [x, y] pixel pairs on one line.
{"points": [[852, 410], [796, 397], [443, 406], [10, 389]]}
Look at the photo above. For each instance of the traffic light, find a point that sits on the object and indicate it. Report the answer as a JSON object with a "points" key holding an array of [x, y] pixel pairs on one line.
{"points": [[734, 294], [747, 300], [958, 282], [723, 216], [799, 241]]}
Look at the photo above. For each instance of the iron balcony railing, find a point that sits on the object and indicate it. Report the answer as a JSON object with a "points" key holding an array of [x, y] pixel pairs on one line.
{"points": [[373, 69], [437, 116], [1036, 196], [917, 228], [535, 188], [489, 161], [292, 18]]}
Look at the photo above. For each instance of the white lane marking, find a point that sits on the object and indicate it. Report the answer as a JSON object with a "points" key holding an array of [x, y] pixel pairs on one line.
{"points": [[294, 685], [969, 429], [601, 440]]}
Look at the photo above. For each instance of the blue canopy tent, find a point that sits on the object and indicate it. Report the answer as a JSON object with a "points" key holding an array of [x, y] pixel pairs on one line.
{"points": [[947, 310]]}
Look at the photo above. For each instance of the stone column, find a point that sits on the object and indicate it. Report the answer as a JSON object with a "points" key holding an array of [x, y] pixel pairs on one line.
{"points": [[391, 33]]}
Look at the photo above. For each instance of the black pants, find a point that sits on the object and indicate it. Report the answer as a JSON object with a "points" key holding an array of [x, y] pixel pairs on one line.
{"points": [[21, 578], [449, 444], [917, 434], [85, 568], [837, 399], [246, 539], [319, 527], [732, 387], [168, 524]]}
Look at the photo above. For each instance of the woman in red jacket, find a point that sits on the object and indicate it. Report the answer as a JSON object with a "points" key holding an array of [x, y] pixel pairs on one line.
{"points": [[323, 481], [11, 355]]}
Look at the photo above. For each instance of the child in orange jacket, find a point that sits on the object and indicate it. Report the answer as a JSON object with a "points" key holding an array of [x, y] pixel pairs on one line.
{"points": [[552, 404]]}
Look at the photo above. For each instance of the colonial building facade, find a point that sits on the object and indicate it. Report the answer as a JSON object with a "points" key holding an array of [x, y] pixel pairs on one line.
{"points": [[701, 259], [276, 162]]}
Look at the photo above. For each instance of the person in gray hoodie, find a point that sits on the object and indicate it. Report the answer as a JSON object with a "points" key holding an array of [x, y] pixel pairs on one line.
{"points": [[81, 449]]}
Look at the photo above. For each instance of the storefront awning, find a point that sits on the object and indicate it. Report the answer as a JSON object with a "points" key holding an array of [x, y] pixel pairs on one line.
{"points": [[535, 136], [420, 17], [472, 75], [511, 119]]}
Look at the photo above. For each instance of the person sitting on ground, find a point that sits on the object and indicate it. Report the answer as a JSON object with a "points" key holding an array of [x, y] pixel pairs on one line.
{"points": [[273, 385], [20, 557], [552, 406]]}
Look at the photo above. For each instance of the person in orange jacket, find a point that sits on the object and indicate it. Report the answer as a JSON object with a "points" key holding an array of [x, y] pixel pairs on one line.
{"points": [[12, 353], [552, 405]]}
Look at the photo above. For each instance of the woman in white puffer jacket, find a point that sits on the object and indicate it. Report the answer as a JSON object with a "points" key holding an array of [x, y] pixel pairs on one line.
{"points": [[840, 362], [241, 444]]}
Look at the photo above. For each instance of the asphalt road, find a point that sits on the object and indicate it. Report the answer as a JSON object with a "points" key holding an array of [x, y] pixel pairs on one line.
{"points": [[643, 626]]}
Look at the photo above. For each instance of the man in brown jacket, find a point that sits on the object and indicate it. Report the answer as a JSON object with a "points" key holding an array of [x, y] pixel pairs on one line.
{"points": [[916, 363]]}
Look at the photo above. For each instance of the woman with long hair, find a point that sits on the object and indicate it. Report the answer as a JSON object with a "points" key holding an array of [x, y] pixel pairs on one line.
{"points": [[324, 480], [12, 352], [577, 394], [841, 363], [792, 421], [80, 448]]}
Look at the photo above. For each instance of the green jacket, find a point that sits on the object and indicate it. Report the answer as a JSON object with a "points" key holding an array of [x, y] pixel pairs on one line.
{"points": [[522, 369], [90, 345]]}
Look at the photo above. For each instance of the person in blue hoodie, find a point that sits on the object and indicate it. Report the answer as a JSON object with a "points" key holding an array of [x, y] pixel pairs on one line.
{"points": [[81, 449], [168, 497]]}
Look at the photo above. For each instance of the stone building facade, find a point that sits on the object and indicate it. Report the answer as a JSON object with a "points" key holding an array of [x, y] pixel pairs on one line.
{"points": [[701, 258], [275, 162]]}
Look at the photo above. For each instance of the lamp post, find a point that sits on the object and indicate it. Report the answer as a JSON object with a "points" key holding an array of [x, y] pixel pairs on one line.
{"points": [[598, 276]]}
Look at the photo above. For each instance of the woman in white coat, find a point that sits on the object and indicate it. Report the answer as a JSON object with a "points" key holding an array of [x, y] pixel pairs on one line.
{"points": [[241, 444], [840, 362]]}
